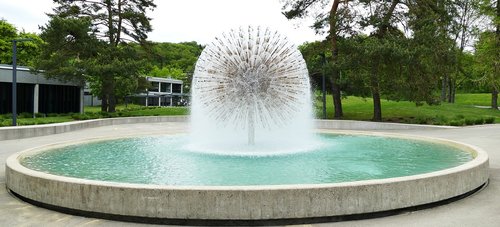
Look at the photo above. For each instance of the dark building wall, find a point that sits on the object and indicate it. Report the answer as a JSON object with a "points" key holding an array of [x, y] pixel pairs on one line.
{"points": [[25, 97], [58, 99]]}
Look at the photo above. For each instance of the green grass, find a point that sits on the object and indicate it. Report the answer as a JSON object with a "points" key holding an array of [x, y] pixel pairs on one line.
{"points": [[460, 113], [473, 99]]}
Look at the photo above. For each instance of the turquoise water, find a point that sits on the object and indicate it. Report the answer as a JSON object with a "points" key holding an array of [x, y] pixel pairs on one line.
{"points": [[166, 160]]}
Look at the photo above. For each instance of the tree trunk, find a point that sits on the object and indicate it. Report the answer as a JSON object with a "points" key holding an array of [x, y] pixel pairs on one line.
{"points": [[112, 103], [337, 99], [494, 99], [451, 92], [111, 96], [106, 90], [444, 87], [104, 103], [374, 77], [374, 84]]}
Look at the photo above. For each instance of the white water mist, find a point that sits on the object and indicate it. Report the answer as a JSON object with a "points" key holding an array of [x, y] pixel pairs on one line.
{"points": [[251, 95]]}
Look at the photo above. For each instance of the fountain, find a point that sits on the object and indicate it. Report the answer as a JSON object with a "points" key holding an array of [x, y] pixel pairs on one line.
{"points": [[251, 156], [251, 84]]}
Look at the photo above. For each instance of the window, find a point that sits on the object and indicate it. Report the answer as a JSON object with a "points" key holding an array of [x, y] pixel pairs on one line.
{"points": [[165, 87], [154, 86], [176, 88]]}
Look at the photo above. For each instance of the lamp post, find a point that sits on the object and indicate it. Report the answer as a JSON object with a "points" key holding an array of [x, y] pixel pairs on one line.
{"points": [[14, 79], [323, 85]]}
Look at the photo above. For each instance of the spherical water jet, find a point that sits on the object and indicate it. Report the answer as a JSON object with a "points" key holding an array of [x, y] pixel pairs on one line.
{"points": [[251, 83]]}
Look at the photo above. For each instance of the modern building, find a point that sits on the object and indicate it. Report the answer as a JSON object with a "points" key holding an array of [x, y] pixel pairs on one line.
{"points": [[37, 94], [162, 92], [89, 99]]}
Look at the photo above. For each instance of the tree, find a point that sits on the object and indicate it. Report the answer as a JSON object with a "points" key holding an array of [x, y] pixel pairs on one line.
{"points": [[463, 25], [27, 52], [486, 64], [176, 60], [337, 20], [90, 40], [489, 47], [167, 72], [381, 21]]}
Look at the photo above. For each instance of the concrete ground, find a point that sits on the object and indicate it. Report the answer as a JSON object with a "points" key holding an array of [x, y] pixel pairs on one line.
{"points": [[479, 209]]}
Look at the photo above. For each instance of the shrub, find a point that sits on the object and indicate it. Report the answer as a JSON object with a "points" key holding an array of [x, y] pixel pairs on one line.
{"points": [[421, 120], [469, 121], [124, 114], [440, 120], [80, 117], [6, 122], [489, 120], [39, 115], [479, 121], [459, 122], [25, 115]]}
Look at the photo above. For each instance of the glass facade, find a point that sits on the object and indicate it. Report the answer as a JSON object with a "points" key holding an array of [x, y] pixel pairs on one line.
{"points": [[51, 98]]}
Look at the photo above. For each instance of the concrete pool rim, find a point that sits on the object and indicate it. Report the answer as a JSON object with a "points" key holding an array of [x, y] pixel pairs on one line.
{"points": [[309, 203]]}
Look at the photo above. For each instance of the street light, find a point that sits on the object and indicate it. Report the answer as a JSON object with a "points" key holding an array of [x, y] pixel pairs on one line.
{"points": [[323, 84], [14, 78]]}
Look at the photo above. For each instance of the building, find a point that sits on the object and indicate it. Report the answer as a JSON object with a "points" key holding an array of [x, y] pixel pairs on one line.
{"points": [[37, 94], [89, 99], [161, 92]]}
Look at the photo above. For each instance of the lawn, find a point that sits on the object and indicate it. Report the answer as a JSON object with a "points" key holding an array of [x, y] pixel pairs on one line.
{"points": [[463, 112]]}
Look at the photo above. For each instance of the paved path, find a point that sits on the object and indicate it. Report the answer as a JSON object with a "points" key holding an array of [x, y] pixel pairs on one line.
{"points": [[480, 209]]}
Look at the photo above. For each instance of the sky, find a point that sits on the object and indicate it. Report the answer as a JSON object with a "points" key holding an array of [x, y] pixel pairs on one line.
{"points": [[182, 20]]}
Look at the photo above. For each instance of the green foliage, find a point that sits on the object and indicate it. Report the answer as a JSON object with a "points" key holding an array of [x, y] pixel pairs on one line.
{"points": [[90, 41], [5, 122], [489, 120], [176, 60], [167, 72], [25, 115], [487, 61], [7, 33], [479, 121], [458, 122], [69, 43], [27, 51]]}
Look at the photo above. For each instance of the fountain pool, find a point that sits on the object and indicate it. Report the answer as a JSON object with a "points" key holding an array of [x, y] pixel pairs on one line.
{"points": [[169, 160], [211, 202]]}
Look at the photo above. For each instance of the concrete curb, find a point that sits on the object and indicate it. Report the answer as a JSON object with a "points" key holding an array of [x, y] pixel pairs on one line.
{"points": [[20, 132], [369, 125]]}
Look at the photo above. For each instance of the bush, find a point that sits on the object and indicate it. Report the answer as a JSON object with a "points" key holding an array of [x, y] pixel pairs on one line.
{"points": [[80, 117], [479, 121], [459, 122], [25, 115], [469, 121], [422, 120], [124, 114], [489, 120], [39, 115], [6, 122], [440, 120]]}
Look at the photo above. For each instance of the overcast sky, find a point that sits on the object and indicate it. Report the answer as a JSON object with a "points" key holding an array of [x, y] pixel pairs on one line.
{"points": [[181, 20]]}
